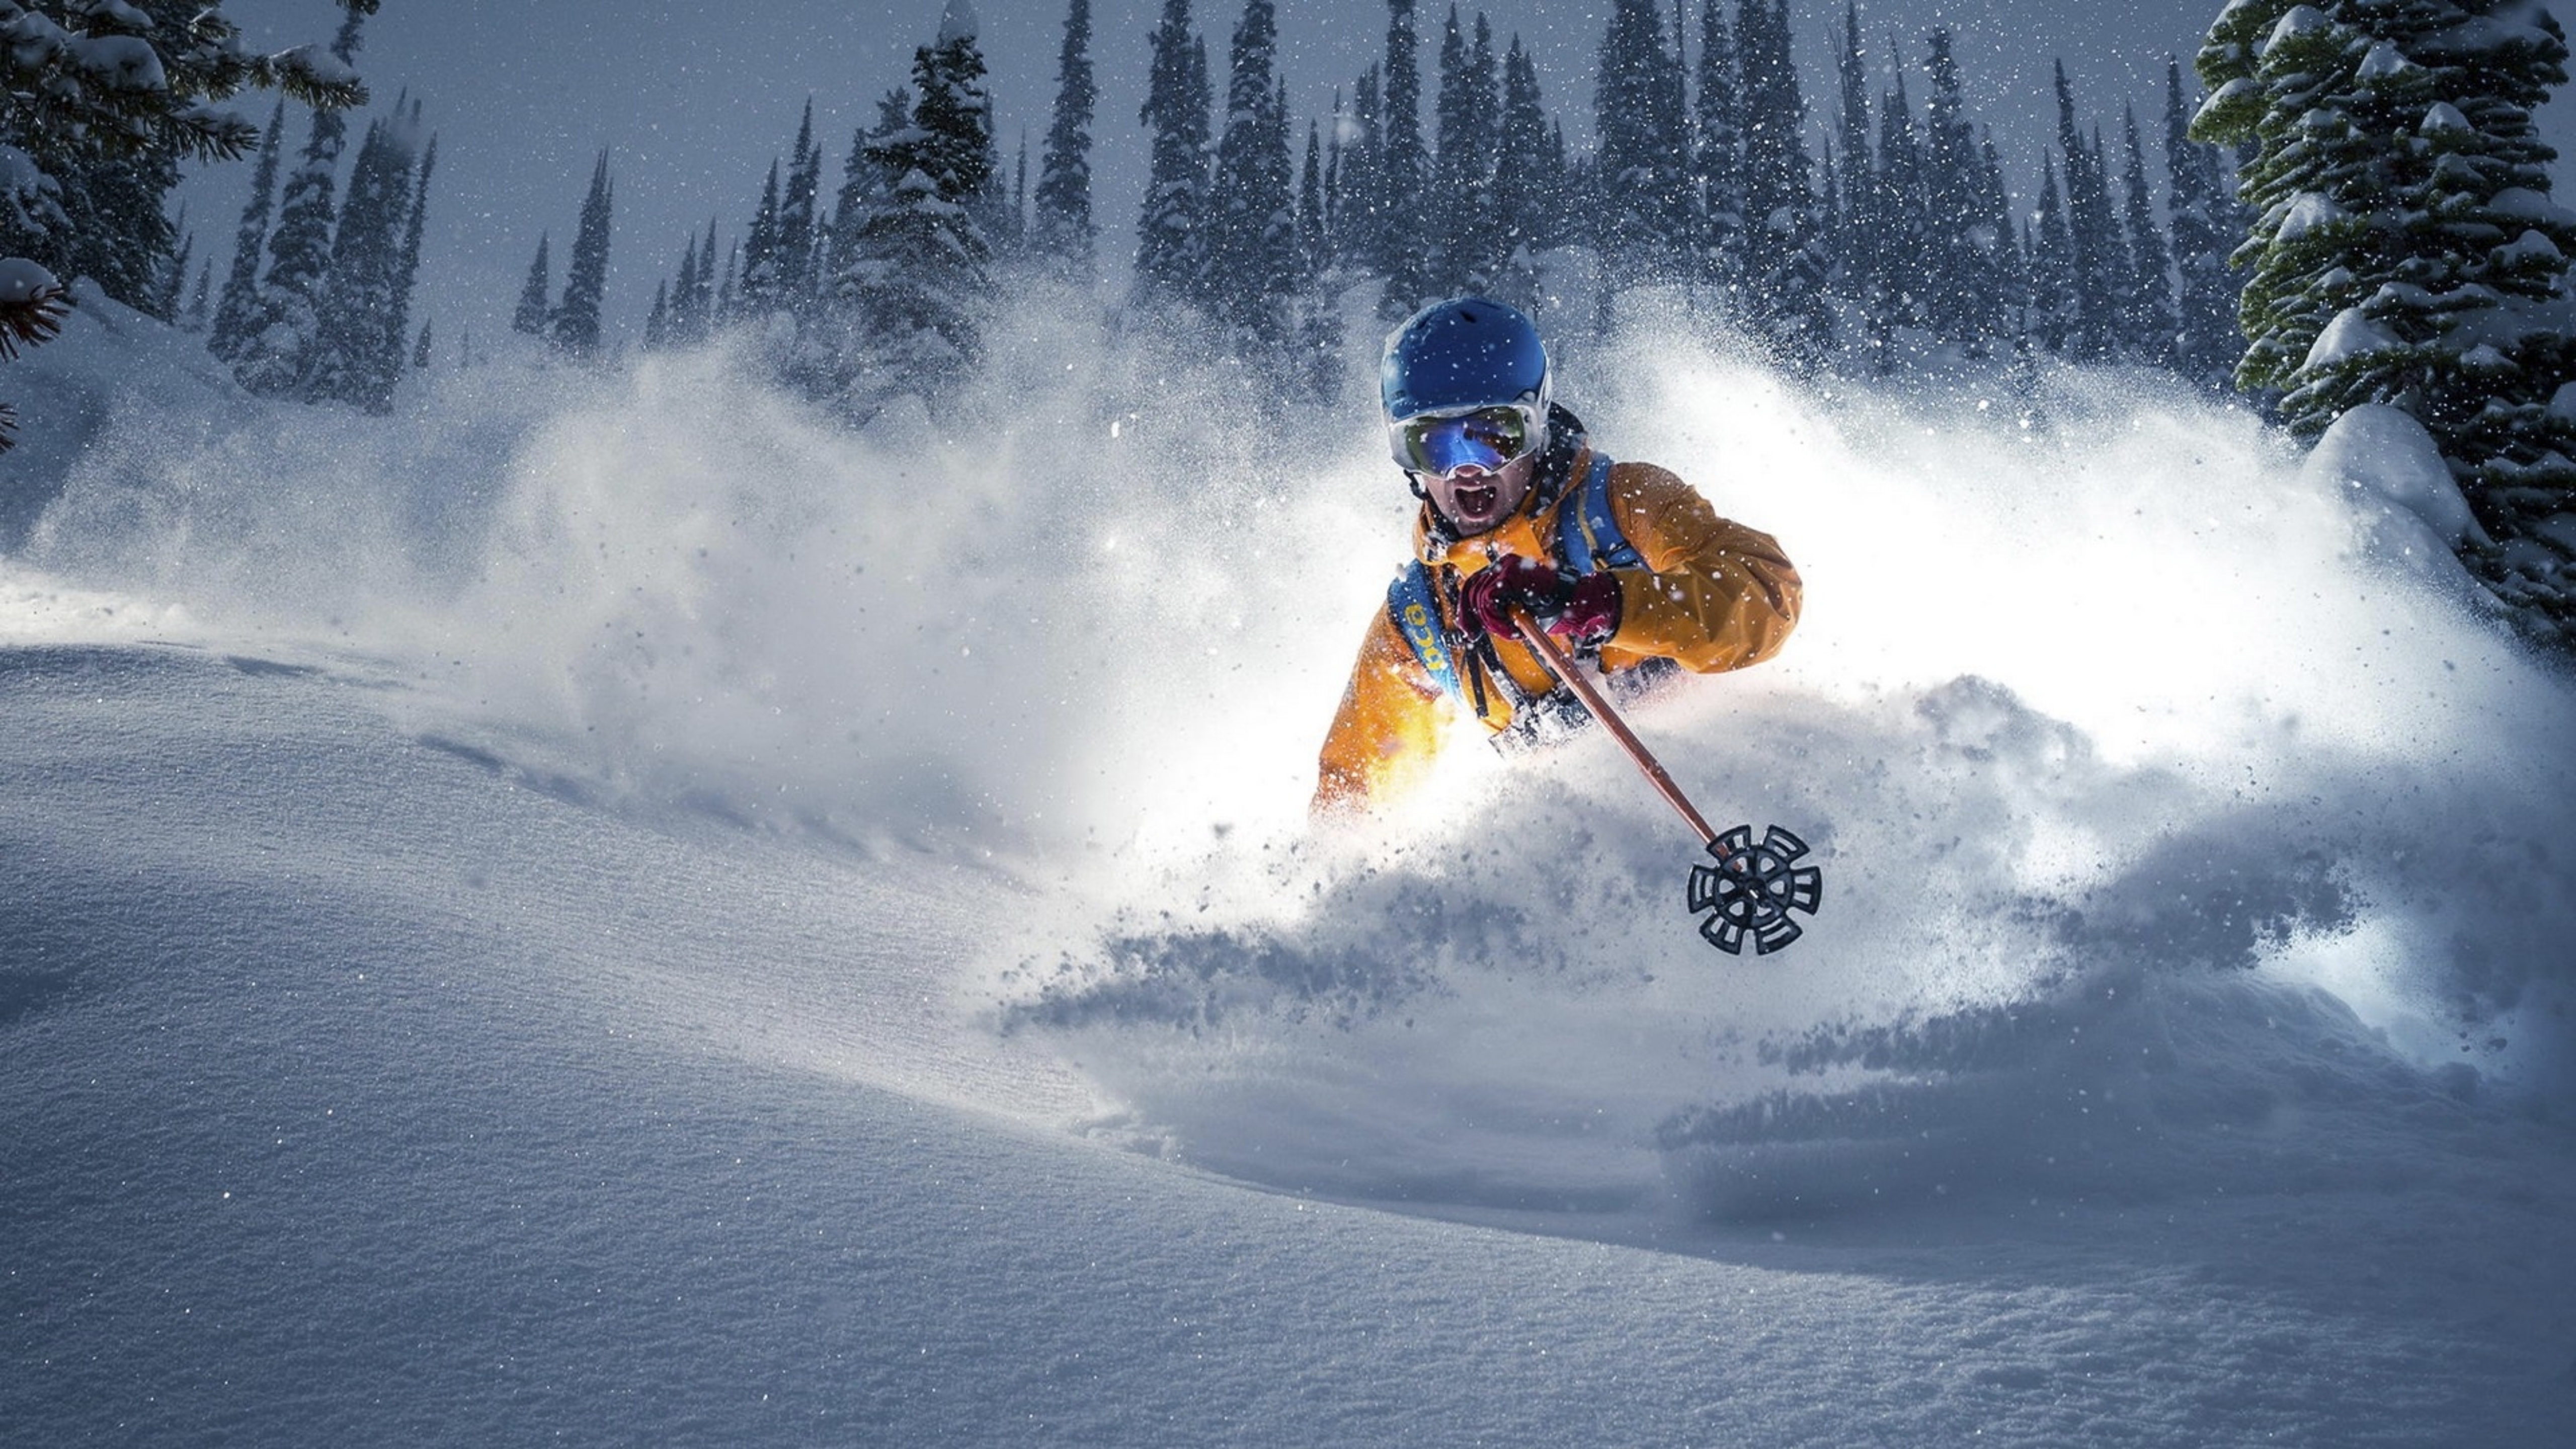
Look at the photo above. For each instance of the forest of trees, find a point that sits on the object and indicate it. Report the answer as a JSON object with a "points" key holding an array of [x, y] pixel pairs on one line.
{"points": [[2362, 196]]}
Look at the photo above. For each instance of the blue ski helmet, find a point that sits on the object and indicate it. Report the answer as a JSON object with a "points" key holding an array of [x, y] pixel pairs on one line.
{"points": [[1464, 381]]}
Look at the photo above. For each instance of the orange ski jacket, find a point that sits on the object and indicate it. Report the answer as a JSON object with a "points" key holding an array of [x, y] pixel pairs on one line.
{"points": [[1713, 595]]}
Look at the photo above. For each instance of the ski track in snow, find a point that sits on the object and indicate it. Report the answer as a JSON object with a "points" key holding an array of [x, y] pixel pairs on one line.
{"points": [[660, 973]]}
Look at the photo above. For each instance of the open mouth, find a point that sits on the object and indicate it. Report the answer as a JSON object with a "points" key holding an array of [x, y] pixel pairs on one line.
{"points": [[1475, 500]]}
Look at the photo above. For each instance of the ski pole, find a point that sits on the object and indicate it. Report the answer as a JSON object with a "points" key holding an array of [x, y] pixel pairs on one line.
{"points": [[1746, 895], [1554, 657]]}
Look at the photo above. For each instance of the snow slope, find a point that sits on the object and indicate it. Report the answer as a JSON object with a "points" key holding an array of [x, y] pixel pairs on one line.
{"points": [[608, 910]]}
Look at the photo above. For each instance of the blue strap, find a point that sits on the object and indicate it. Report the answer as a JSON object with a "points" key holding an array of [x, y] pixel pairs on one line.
{"points": [[1587, 535], [1417, 617]]}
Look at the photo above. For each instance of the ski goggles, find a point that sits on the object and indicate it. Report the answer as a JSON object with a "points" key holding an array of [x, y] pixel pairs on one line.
{"points": [[1487, 437]]}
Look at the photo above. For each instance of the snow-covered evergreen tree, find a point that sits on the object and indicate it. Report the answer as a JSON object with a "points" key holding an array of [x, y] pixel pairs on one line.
{"points": [[657, 322], [919, 282], [299, 250], [397, 321], [100, 103], [345, 362], [574, 326], [796, 219], [1358, 201], [2407, 250], [1317, 340], [530, 315], [1171, 232], [1404, 171], [171, 291], [2150, 327], [1062, 229], [1860, 259], [239, 310], [200, 309], [1525, 197], [1786, 267], [1960, 278], [2206, 225], [2053, 320], [1644, 215], [1900, 215], [761, 245], [1468, 245], [2097, 270], [1252, 220], [1717, 159]]}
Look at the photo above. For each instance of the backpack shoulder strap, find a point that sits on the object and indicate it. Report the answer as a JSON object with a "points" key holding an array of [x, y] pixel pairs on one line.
{"points": [[1410, 602], [1587, 535]]}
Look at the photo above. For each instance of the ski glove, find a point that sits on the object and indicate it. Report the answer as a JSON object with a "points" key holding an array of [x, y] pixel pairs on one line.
{"points": [[1583, 611]]}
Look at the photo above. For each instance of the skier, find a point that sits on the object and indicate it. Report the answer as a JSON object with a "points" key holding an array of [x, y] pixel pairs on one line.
{"points": [[1622, 561]]}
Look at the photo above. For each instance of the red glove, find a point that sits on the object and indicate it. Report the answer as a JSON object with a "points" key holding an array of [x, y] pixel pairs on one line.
{"points": [[1582, 611]]}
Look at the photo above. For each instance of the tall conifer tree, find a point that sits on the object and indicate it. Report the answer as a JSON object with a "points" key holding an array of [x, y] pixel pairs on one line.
{"points": [[2205, 228], [1171, 234], [2407, 252], [240, 311], [575, 326], [1062, 229], [1404, 170]]}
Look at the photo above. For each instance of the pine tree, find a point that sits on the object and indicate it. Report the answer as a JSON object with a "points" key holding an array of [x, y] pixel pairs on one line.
{"points": [[679, 323], [1785, 265], [1718, 160], [1404, 171], [238, 312], [345, 360], [530, 315], [171, 295], [1359, 201], [2098, 273], [99, 103], [2151, 324], [657, 323], [1644, 149], [1861, 261], [919, 282], [1901, 216], [760, 250], [2407, 252], [2000, 312], [1062, 229], [1524, 190], [1469, 245], [1960, 280], [1318, 340], [796, 223], [864, 187], [420, 351], [406, 282], [1171, 233], [2206, 226], [1251, 242], [299, 251], [574, 327], [2053, 320], [199, 314]]}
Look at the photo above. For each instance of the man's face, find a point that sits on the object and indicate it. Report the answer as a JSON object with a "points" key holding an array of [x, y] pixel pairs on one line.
{"points": [[1476, 501]]}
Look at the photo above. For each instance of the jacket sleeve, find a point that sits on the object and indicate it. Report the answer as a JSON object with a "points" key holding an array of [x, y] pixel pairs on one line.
{"points": [[1386, 731], [1714, 595]]}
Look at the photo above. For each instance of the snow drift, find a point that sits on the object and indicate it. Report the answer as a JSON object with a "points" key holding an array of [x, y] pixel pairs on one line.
{"points": [[2186, 825]]}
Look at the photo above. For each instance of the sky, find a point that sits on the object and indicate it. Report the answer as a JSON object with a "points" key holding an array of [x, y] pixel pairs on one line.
{"points": [[693, 100]]}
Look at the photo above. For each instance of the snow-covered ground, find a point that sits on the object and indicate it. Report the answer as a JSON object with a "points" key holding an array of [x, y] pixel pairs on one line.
{"points": [[605, 909]]}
